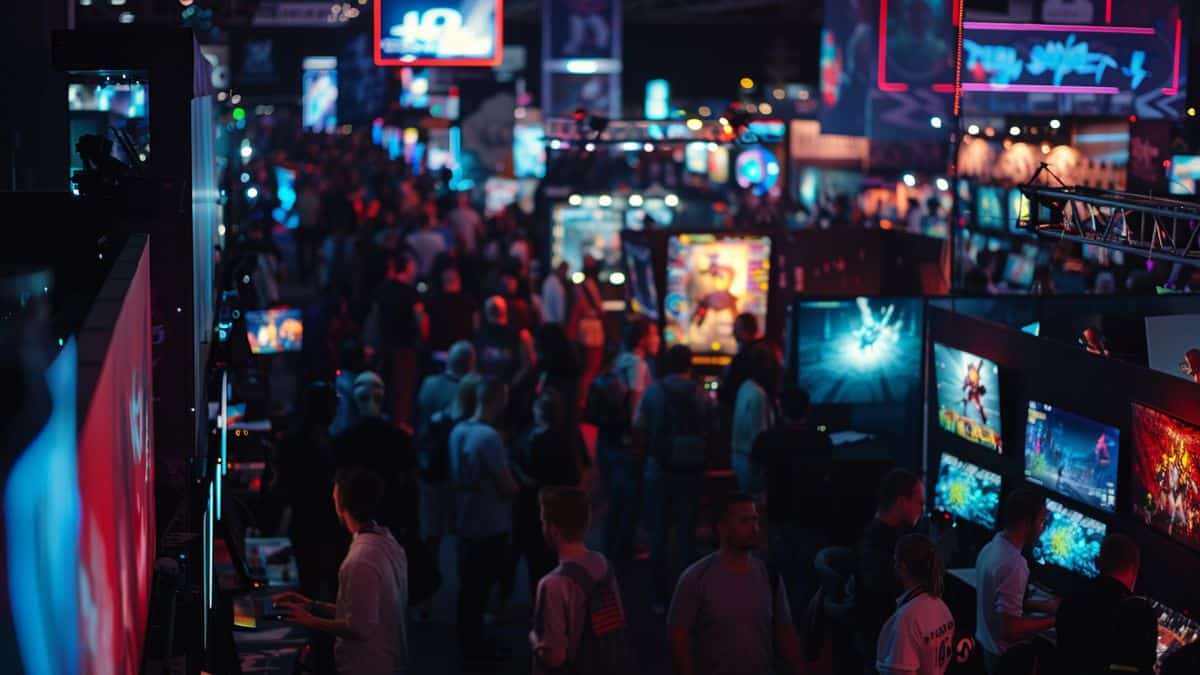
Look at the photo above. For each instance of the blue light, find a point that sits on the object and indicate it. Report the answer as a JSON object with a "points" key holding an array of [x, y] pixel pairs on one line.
{"points": [[582, 66], [658, 100]]}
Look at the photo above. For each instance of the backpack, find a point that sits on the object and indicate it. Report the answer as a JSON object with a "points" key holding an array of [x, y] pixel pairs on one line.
{"points": [[685, 449], [433, 447], [604, 648], [608, 404]]}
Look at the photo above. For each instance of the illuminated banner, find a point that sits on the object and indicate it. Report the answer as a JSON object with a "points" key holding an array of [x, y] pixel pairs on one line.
{"points": [[581, 29], [439, 32]]}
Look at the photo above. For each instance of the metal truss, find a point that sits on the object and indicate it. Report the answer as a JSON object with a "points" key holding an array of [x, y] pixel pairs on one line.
{"points": [[1153, 227]]}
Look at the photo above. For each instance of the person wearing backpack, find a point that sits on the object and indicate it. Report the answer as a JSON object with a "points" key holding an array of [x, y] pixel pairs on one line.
{"points": [[579, 623], [670, 424]]}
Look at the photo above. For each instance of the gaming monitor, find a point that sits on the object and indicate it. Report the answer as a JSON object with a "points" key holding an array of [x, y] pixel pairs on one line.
{"points": [[967, 491], [865, 350], [1070, 541], [1018, 270], [529, 151], [968, 394], [653, 213], [274, 331], [1166, 474], [320, 94], [710, 280], [1072, 455], [588, 230], [1175, 631], [423, 33], [1185, 172], [641, 289], [989, 208]]}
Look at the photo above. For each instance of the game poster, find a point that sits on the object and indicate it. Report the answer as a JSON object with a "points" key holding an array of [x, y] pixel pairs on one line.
{"points": [[710, 280], [641, 287], [273, 331], [861, 351], [1072, 455], [1166, 474], [968, 393], [1071, 540], [967, 491]]}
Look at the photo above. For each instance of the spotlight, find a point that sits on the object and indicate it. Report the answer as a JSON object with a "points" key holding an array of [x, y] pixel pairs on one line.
{"points": [[555, 144], [590, 147], [942, 184], [252, 193], [973, 130], [1054, 124], [1191, 112], [605, 200], [636, 200], [616, 278], [909, 180], [648, 147], [577, 278], [704, 111], [1014, 130], [989, 132], [746, 83], [671, 200], [765, 109], [574, 200], [779, 94], [935, 122], [695, 124]]}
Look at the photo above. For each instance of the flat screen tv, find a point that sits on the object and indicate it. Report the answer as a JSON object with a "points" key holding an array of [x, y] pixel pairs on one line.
{"points": [[968, 396], [1072, 455]]}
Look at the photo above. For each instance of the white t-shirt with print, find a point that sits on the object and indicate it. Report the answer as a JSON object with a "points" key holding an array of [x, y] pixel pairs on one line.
{"points": [[918, 638]]}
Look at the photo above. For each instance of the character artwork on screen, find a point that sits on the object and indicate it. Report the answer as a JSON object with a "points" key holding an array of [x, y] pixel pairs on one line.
{"points": [[710, 281], [1072, 455], [1166, 474], [968, 391], [967, 491]]}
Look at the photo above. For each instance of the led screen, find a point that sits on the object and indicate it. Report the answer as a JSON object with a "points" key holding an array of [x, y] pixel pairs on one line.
{"points": [[653, 213], [588, 230], [320, 94], [1072, 455], [273, 331], [866, 350], [1018, 270], [529, 151], [967, 491], [1185, 172], [438, 32], [968, 395], [1166, 474], [1071, 540], [641, 287], [989, 208], [710, 280]]}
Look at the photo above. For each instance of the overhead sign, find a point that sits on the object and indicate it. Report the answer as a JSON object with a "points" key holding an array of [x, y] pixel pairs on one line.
{"points": [[297, 15], [439, 32]]}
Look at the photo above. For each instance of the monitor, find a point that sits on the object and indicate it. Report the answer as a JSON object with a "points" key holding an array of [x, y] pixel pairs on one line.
{"points": [[967, 491], [1185, 172], [1166, 474], [320, 94], [1072, 455], [989, 208], [865, 350], [529, 151], [1169, 339], [1071, 540], [641, 289], [424, 33], [968, 395], [710, 280], [274, 331], [1175, 631], [1018, 270], [587, 230], [653, 213], [1018, 211]]}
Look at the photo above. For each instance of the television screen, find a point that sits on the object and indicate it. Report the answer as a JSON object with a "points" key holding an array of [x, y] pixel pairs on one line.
{"points": [[989, 208], [866, 350], [710, 280], [1018, 211], [1185, 172], [1166, 474], [1169, 339], [438, 33], [968, 393], [967, 491], [1072, 455], [641, 287], [1018, 270], [1071, 540], [529, 151], [653, 213], [273, 331], [285, 181], [587, 230], [1175, 631], [695, 157], [320, 94]]}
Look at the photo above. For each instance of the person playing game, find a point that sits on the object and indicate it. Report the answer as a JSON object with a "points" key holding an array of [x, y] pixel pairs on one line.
{"points": [[973, 390]]}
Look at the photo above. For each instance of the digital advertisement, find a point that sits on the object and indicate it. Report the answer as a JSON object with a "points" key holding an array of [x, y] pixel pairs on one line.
{"points": [[968, 394], [439, 33], [710, 280]]}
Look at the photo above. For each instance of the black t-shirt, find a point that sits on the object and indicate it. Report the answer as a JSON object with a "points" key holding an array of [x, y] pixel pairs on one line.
{"points": [[377, 445], [397, 323], [876, 587], [305, 466], [1106, 624], [797, 461], [451, 318]]}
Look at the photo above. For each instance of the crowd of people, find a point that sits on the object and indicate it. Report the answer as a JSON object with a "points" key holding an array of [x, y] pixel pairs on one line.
{"points": [[446, 383]]}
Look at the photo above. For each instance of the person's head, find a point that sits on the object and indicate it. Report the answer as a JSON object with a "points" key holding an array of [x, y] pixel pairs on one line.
{"points": [[745, 328], [461, 358], [491, 397], [641, 335], [1024, 515], [319, 406], [794, 403], [901, 498], [495, 311], [737, 522], [466, 398], [549, 411], [566, 515], [401, 267], [919, 565], [357, 493], [677, 361], [368, 394], [1120, 559], [451, 280]]}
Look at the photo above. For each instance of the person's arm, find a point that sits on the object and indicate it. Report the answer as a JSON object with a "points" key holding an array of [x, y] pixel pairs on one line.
{"points": [[1010, 605], [422, 320], [786, 640], [497, 465], [1049, 606], [681, 618], [527, 357], [549, 636], [361, 584]]}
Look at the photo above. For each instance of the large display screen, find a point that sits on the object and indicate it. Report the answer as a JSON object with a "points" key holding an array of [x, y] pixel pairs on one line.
{"points": [[710, 280], [641, 287], [1071, 540], [529, 151], [989, 208], [968, 395], [320, 94], [967, 491], [439, 32], [866, 350], [1175, 631], [1166, 474], [1185, 174], [586, 231], [274, 331], [1072, 455]]}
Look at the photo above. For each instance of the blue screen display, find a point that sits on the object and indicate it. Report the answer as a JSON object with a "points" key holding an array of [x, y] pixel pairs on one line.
{"points": [[967, 491], [1071, 540], [1072, 455], [438, 33]]}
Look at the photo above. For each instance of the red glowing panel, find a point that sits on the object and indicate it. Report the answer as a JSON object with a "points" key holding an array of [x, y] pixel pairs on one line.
{"points": [[1166, 474]]}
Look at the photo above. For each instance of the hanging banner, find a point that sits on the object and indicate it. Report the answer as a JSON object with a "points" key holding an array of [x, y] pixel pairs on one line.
{"points": [[581, 29], [439, 32]]}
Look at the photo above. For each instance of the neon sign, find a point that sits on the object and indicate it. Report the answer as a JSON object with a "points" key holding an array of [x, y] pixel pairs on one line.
{"points": [[1060, 59], [430, 33]]}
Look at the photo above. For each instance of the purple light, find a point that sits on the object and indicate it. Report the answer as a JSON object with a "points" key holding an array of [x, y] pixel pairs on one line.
{"points": [[1038, 88], [1056, 28]]}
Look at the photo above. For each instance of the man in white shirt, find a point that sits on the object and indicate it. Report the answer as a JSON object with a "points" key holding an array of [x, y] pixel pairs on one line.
{"points": [[1001, 577], [368, 618], [919, 638]]}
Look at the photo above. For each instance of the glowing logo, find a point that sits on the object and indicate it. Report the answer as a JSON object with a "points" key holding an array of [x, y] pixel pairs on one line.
{"points": [[1001, 65]]}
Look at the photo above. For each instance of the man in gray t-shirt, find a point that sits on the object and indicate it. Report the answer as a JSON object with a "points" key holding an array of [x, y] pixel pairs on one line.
{"points": [[729, 612]]}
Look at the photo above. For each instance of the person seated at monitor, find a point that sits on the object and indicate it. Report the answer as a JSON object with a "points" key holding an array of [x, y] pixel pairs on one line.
{"points": [[1105, 628], [901, 504], [1002, 575]]}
